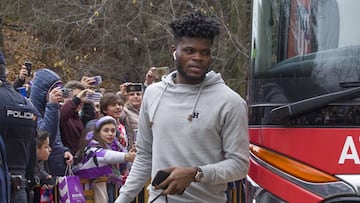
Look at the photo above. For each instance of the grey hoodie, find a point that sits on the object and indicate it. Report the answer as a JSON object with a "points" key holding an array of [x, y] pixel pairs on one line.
{"points": [[184, 125]]}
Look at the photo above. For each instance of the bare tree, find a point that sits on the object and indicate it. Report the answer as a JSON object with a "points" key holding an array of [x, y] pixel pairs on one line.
{"points": [[121, 40]]}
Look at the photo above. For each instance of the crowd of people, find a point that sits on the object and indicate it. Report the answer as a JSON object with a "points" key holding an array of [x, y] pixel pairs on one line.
{"points": [[129, 135], [72, 122]]}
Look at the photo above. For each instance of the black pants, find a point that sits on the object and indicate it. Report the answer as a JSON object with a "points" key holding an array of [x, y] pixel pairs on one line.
{"points": [[19, 196], [140, 197]]}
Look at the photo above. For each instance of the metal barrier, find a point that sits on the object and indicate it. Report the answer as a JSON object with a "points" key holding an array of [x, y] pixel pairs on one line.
{"points": [[235, 191], [88, 190], [145, 194]]}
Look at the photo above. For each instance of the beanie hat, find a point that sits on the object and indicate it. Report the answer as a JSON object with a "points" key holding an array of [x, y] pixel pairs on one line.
{"points": [[104, 119], [98, 123]]}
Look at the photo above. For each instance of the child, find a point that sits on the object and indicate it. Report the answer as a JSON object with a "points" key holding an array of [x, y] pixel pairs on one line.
{"points": [[98, 157], [112, 105], [42, 178]]}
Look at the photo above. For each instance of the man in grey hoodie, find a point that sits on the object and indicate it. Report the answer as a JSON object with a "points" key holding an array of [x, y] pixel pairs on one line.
{"points": [[191, 125]]}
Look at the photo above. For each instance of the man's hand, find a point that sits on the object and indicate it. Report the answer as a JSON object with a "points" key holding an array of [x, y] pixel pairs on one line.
{"points": [[88, 81], [23, 73], [179, 179], [83, 93], [122, 89], [55, 96], [150, 76]]}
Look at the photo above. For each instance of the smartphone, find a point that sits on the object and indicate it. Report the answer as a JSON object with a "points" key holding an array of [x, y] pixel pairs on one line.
{"points": [[98, 80], [95, 97], [159, 178], [160, 71], [28, 66], [134, 87]]}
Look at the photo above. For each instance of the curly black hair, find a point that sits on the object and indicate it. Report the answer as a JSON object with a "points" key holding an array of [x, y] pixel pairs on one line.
{"points": [[195, 25]]}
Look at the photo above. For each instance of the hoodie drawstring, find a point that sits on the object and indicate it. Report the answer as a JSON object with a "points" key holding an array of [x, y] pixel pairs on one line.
{"points": [[157, 106], [161, 95], [196, 101]]}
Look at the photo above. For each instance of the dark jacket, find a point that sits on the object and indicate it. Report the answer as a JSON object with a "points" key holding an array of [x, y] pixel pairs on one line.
{"points": [[40, 173], [71, 126], [49, 119], [87, 112], [18, 128], [18, 83]]}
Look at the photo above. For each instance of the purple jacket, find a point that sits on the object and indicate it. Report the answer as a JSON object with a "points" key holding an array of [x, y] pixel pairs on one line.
{"points": [[98, 161]]}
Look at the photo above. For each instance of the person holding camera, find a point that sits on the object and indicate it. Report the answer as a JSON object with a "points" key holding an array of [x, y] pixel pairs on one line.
{"points": [[71, 125], [193, 128], [130, 114], [23, 79], [132, 94], [46, 97]]}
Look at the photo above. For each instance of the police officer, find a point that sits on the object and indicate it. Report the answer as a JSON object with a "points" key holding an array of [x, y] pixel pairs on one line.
{"points": [[18, 124]]}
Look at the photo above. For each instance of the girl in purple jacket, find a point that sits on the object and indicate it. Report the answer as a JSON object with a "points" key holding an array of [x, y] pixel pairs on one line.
{"points": [[97, 157]]}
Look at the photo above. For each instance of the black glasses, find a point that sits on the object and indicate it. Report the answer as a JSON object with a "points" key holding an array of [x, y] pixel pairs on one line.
{"points": [[157, 197]]}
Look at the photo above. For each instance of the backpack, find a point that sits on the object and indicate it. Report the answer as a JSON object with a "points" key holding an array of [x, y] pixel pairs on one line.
{"points": [[4, 174]]}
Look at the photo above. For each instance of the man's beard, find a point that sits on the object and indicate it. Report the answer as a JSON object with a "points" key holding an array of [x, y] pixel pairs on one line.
{"points": [[188, 77]]}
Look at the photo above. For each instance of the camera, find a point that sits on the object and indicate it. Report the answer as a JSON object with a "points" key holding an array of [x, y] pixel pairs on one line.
{"points": [[65, 92], [134, 87], [28, 66]]}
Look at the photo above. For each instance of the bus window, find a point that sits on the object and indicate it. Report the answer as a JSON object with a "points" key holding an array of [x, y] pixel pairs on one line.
{"points": [[304, 44]]}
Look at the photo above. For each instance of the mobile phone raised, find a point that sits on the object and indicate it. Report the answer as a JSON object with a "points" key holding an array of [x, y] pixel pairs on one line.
{"points": [[28, 66], [94, 97], [160, 71], [98, 80]]}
